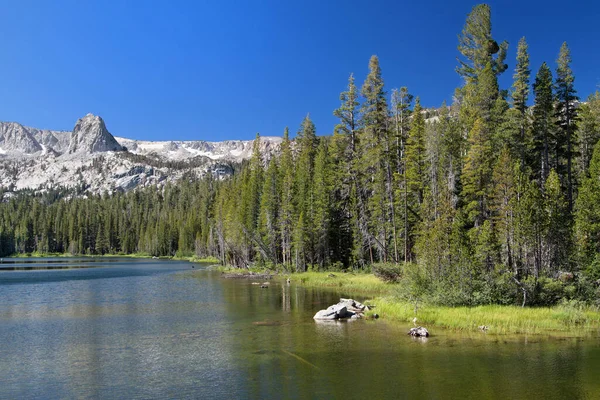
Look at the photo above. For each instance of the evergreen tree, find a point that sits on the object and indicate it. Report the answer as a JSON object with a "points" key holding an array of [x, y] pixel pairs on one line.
{"points": [[372, 163], [269, 213], [557, 234], [543, 120], [287, 211], [477, 173], [416, 169], [348, 114], [322, 203], [587, 213], [588, 132], [401, 102], [477, 46], [304, 201], [520, 94], [566, 114]]}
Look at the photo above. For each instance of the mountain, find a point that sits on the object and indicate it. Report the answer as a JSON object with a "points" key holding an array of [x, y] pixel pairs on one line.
{"points": [[91, 136], [15, 137], [91, 160]]}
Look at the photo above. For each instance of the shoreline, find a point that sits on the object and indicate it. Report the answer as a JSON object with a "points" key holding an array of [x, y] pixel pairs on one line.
{"points": [[135, 255], [569, 319]]}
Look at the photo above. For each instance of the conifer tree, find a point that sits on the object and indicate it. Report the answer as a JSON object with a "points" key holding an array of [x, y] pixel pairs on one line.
{"points": [[268, 223], [416, 170], [371, 165], [557, 233], [520, 95], [543, 120], [476, 174], [504, 197], [348, 114], [322, 204], [566, 114], [347, 182], [477, 46], [304, 201], [287, 211], [588, 131], [401, 102], [587, 213]]}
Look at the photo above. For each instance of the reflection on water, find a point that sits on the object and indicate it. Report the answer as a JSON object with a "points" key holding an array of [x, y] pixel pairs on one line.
{"points": [[155, 329]]}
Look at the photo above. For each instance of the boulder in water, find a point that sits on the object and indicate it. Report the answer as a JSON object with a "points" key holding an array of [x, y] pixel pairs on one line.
{"points": [[346, 308], [418, 331]]}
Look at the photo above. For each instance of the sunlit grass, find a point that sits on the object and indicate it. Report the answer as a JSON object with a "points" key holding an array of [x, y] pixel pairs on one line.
{"points": [[196, 259], [364, 284], [498, 319]]}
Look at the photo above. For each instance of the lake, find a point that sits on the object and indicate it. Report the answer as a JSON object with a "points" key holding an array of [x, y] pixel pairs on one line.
{"points": [[137, 328]]}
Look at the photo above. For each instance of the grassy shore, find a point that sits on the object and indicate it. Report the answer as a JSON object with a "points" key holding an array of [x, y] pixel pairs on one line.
{"points": [[571, 319]]}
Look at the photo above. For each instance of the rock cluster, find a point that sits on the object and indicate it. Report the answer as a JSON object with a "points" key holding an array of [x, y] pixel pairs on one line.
{"points": [[346, 308]]}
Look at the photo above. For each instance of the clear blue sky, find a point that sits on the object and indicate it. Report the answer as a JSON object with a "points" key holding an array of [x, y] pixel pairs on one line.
{"points": [[216, 70]]}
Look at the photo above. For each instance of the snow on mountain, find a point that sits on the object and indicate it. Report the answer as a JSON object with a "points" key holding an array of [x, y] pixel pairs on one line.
{"points": [[180, 150], [91, 159]]}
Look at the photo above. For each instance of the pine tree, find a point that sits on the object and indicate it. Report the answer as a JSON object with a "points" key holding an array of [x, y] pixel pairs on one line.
{"points": [[371, 165], [566, 114], [401, 102], [587, 213], [348, 114], [477, 46], [304, 201], [268, 223], [287, 211], [588, 132], [543, 120], [346, 187], [322, 203], [520, 94], [476, 174], [557, 234], [503, 206], [416, 169]]}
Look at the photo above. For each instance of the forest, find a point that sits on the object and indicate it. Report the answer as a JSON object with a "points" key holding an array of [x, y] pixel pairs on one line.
{"points": [[490, 199]]}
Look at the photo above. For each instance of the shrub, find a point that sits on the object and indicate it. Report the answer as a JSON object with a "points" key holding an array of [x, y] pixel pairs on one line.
{"points": [[391, 273]]}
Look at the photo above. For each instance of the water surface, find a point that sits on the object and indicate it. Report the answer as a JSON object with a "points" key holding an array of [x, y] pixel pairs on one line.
{"points": [[156, 329]]}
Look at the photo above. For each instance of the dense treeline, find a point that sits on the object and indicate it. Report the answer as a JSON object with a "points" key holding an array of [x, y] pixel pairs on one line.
{"points": [[491, 199]]}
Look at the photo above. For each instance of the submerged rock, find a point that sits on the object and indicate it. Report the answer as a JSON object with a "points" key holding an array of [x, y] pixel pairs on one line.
{"points": [[419, 331]]}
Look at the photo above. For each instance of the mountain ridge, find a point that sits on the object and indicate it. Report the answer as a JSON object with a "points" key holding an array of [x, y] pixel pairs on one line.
{"points": [[89, 156]]}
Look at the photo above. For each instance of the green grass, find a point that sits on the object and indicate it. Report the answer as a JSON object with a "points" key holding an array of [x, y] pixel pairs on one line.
{"points": [[360, 283], [212, 260], [572, 319], [558, 320]]}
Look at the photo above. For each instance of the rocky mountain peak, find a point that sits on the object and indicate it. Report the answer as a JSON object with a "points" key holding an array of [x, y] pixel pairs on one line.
{"points": [[90, 135], [15, 137]]}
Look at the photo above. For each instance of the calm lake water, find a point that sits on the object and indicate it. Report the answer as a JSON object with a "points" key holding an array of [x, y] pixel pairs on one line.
{"points": [[122, 328]]}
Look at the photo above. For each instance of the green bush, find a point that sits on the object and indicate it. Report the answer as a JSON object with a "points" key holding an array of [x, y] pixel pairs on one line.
{"points": [[391, 273]]}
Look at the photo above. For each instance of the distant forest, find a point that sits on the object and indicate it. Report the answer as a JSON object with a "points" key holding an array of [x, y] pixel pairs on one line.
{"points": [[494, 198]]}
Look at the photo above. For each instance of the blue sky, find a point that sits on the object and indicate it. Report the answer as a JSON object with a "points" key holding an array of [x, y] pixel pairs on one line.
{"points": [[216, 70]]}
